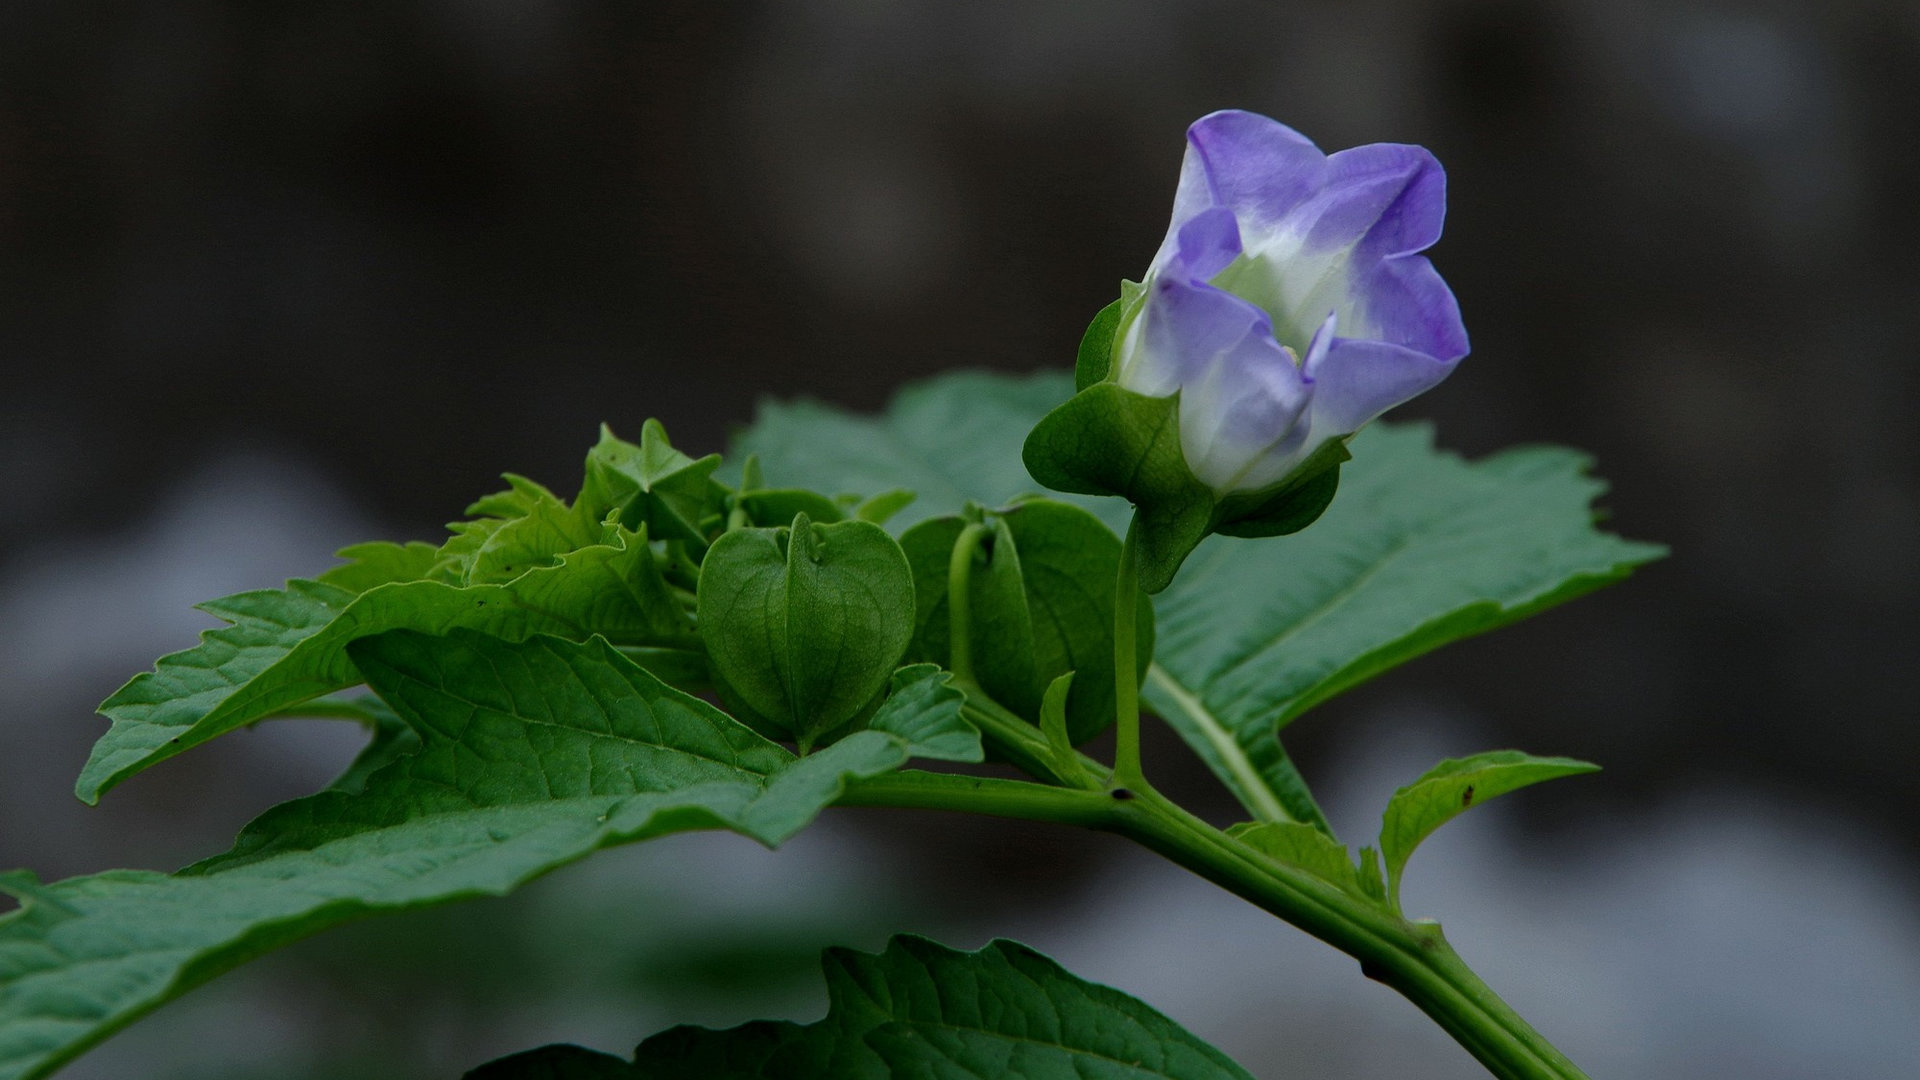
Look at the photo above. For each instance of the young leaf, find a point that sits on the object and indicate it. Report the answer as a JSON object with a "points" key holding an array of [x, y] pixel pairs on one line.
{"points": [[920, 1009], [1303, 846], [545, 532], [922, 709], [380, 562], [287, 645], [805, 624], [880, 508], [1448, 789], [532, 754]]}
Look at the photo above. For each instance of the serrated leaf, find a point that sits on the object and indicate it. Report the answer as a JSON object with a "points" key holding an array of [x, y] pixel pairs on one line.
{"points": [[378, 563], [924, 710], [532, 755], [287, 645], [1004, 1012], [546, 532], [1449, 789], [1419, 548]]}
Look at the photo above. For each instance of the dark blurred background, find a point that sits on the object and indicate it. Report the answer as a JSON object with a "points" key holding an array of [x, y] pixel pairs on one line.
{"points": [[278, 277]]}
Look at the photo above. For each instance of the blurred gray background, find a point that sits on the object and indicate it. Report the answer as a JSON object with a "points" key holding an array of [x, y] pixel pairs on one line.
{"points": [[278, 277]]}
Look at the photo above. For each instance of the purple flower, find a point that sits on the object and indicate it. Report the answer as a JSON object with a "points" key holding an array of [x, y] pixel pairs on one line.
{"points": [[1288, 304]]}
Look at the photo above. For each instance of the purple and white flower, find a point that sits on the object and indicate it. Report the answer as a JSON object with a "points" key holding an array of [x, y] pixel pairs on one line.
{"points": [[1289, 304]]}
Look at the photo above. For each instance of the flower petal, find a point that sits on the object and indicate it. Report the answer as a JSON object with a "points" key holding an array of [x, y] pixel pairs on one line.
{"points": [[1403, 301], [1356, 380], [1183, 327], [1240, 423], [1257, 167], [1205, 244]]}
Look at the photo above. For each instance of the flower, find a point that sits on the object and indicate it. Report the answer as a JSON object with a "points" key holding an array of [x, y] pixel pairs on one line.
{"points": [[1288, 304]]}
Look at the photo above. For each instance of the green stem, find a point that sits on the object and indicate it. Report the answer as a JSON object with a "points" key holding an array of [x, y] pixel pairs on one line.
{"points": [[1413, 958], [1025, 745], [1126, 673], [960, 601]]}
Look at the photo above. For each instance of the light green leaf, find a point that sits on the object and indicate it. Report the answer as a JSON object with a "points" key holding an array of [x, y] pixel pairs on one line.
{"points": [[1449, 789], [287, 645], [881, 508], [920, 1009], [545, 533], [922, 709], [1419, 548], [1303, 846], [531, 755], [380, 562]]}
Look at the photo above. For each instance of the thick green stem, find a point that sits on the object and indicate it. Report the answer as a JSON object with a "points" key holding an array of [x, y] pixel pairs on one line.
{"points": [[1126, 672], [1413, 958], [960, 601]]}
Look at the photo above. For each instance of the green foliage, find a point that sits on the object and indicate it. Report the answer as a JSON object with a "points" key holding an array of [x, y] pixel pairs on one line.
{"points": [[1419, 549], [651, 484], [288, 645], [1004, 1012], [1449, 789], [522, 757], [804, 625], [1042, 606]]}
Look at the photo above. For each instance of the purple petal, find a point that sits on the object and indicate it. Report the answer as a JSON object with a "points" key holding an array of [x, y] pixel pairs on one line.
{"points": [[1260, 168], [1382, 200], [1239, 418], [1183, 328], [1206, 244], [1403, 301], [1357, 380]]}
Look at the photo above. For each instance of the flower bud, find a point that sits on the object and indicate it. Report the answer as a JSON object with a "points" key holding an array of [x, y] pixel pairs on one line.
{"points": [[1288, 304]]}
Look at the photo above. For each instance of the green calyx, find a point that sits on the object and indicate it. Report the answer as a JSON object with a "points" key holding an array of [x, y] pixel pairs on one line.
{"points": [[1039, 595], [1107, 440], [804, 625]]}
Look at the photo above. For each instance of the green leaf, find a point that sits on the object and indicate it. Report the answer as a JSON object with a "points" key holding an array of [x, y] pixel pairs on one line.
{"points": [[1303, 846], [1420, 548], [547, 531], [805, 625], [1004, 1012], [922, 709], [380, 562], [880, 508], [951, 439], [287, 645], [532, 755], [1449, 789]]}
